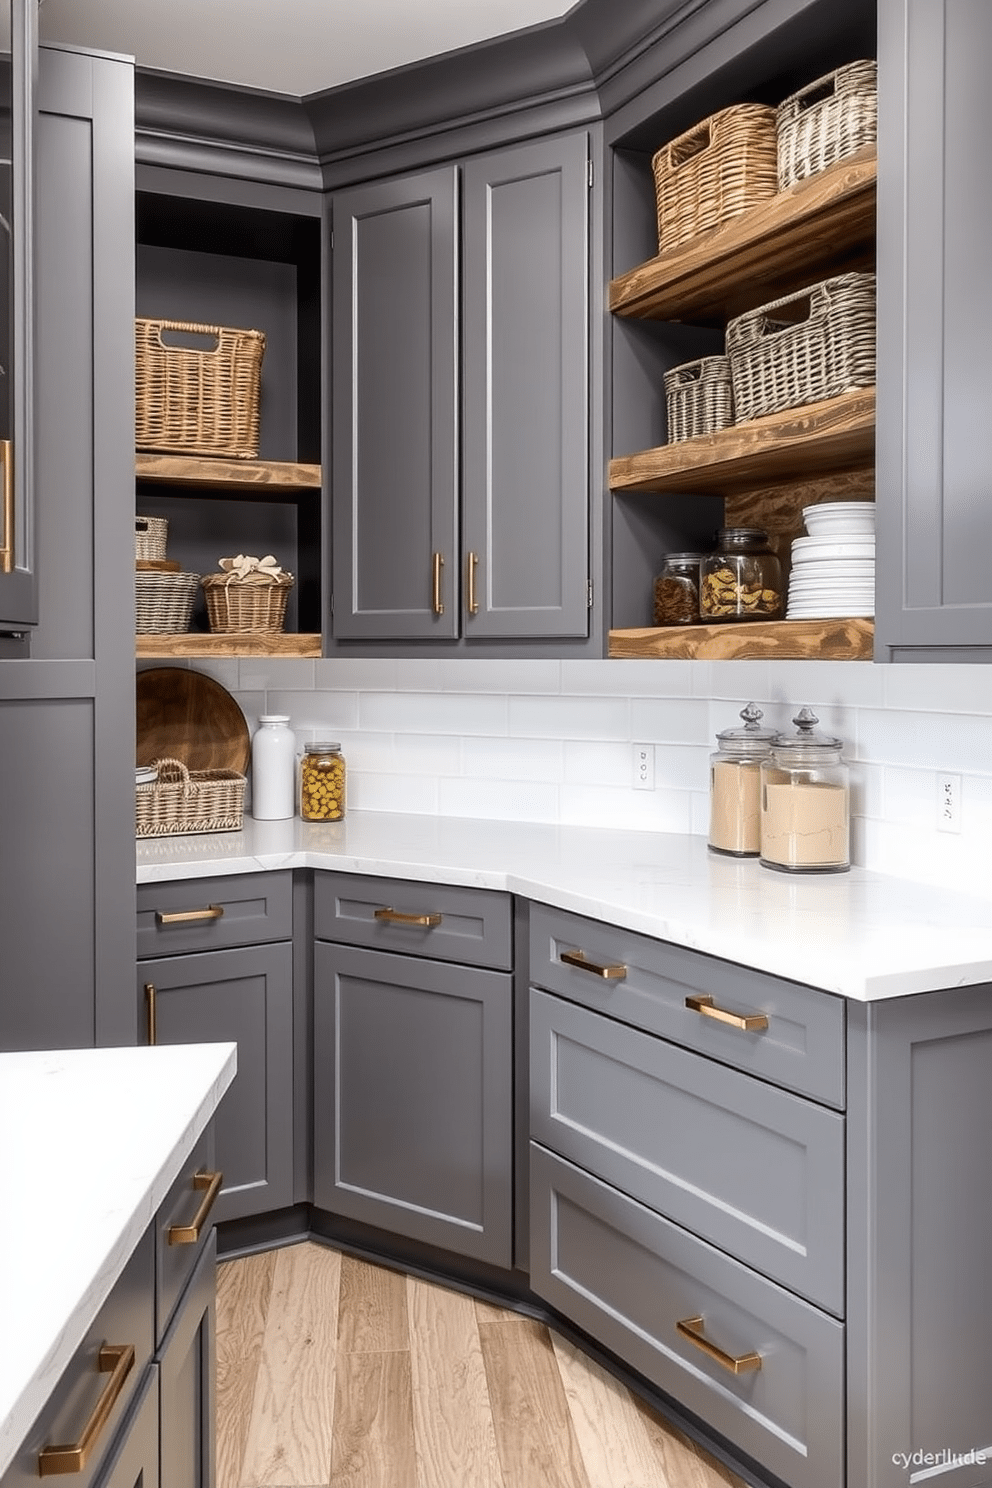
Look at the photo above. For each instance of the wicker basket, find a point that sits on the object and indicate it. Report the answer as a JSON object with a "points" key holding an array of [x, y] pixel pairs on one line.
{"points": [[814, 344], [722, 167], [150, 537], [181, 800], [163, 602], [700, 398], [826, 121], [197, 402], [256, 602]]}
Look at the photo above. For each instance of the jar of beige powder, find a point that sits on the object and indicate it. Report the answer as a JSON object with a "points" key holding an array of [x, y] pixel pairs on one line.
{"points": [[735, 786], [805, 802]]}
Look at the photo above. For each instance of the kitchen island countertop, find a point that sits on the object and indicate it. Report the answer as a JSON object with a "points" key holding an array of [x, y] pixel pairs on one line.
{"points": [[859, 934]]}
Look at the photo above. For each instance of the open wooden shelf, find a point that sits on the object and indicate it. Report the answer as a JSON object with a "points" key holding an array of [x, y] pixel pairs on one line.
{"points": [[820, 439], [781, 640], [819, 227], [192, 644], [275, 476]]}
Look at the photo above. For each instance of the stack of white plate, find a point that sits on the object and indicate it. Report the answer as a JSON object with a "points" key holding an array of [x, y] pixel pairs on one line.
{"points": [[833, 569]]}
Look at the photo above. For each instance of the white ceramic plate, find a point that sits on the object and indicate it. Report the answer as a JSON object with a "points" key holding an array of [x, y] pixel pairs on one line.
{"points": [[829, 612], [834, 518], [836, 547]]}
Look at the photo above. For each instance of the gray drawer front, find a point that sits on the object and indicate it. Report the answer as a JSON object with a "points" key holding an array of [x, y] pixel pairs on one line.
{"points": [[627, 1277], [256, 907], [756, 1170], [802, 1048], [127, 1317], [174, 1262], [475, 926]]}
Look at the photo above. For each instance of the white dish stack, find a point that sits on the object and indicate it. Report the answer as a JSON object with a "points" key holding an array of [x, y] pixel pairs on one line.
{"points": [[833, 569]]}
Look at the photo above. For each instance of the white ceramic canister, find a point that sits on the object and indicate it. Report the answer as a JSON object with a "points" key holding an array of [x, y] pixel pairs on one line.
{"points": [[273, 769]]}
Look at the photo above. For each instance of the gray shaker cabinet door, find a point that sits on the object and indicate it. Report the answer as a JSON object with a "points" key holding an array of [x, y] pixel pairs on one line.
{"points": [[526, 399], [394, 293]]}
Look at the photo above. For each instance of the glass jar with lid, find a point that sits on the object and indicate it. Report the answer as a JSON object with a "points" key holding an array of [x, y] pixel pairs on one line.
{"points": [[742, 578], [676, 590], [735, 786], [805, 802], [322, 782]]}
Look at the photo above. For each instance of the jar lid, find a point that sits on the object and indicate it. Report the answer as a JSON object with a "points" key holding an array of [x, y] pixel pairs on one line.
{"points": [[682, 557], [322, 746], [741, 534], [752, 736], [273, 718], [806, 736]]}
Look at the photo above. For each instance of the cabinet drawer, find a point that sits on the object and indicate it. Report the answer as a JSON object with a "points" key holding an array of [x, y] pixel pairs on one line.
{"points": [[443, 921], [183, 1226], [756, 1170], [126, 1318], [628, 1277], [801, 1046], [205, 914]]}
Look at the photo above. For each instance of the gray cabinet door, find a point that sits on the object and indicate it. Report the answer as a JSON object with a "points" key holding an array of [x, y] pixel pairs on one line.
{"points": [[133, 1462], [526, 392], [934, 585], [394, 344], [187, 1369], [247, 996], [412, 1098]]}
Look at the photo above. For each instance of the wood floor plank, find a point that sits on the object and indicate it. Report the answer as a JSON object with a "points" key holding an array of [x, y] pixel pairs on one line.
{"points": [[373, 1443], [372, 1312], [452, 1420], [243, 1291], [488, 1312], [289, 1436], [538, 1447]]}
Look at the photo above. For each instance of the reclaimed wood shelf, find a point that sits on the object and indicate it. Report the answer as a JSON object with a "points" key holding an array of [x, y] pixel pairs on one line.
{"points": [[192, 644], [819, 227], [847, 639], [819, 439], [268, 476]]}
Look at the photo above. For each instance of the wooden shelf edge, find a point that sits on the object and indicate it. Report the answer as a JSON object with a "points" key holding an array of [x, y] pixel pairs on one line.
{"points": [[234, 475], [192, 644], [842, 639]]}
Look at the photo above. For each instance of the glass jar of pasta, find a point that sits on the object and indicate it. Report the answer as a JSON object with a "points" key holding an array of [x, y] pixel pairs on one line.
{"points": [[322, 782]]}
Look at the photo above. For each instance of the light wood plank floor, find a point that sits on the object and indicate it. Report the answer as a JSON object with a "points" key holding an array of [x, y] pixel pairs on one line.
{"points": [[331, 1371]]}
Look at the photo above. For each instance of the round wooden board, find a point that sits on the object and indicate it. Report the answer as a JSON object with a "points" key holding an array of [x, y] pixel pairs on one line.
{"points": [[184, 715]]}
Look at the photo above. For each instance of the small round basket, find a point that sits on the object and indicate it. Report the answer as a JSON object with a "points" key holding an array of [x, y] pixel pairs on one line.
{"points": [[253, 603]]}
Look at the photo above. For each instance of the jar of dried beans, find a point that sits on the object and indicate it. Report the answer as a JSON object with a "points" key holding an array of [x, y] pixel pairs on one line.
{"points": [[322, 783]]}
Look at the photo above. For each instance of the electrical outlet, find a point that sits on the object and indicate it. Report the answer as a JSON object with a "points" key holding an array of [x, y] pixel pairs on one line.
{"points": [[948, 802], [642, 763]]}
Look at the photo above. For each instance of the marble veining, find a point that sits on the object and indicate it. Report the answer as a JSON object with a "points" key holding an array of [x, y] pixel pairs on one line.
{"points": [[862, 935]]}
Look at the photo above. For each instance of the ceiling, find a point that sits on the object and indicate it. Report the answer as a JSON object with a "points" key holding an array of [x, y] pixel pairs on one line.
{"points": [[286, 46]]}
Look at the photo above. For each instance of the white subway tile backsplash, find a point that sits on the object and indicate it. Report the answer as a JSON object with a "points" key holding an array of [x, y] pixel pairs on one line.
{"points": [[276, 673], [643, 811], [936, 741], [681, 767], [512, 759], [316, 712], [499, 800], [670, 720], [956, 688], [593, 763], [417, 794], [569, 717], [530, 675], [621, 678], [356, 674], [433, 712]]}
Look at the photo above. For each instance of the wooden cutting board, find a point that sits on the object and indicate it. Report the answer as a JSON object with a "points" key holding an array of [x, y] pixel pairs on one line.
{"points": [[184, 715]]}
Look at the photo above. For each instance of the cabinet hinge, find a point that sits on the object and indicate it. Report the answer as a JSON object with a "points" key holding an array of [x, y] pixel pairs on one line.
{"points": [[589, 172], [589, 594]]}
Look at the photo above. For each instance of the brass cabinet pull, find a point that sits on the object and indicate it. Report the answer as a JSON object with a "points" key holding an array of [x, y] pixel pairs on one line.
{"points": [[150, 996], [183, 916], [190, 1234], [473, 603], [437, 603], [7, 545], [117, 1360], [692, 1328], [750, 1022], [579, 959], [395, 917]]}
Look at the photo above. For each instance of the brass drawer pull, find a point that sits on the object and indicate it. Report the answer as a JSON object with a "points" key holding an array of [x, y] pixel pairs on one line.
{"points": [[608, 973], [473, 603], [183, 916], [437, 563], [151, 993], [117, 1360], [750, 1022], [7, 545], [395, 917], [692, 1328], [190, 1234]]}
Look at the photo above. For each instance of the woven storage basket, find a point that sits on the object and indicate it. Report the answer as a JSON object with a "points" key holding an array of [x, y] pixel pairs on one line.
{"points": [[163, 602], [183, 800], [826, 121], [810, 345], [256, 602], [197, 402], [720, 168], [150, 537], [700, 398]]}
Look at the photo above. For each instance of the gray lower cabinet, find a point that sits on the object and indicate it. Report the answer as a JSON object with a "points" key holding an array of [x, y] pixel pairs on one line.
{"points": [[187, 1382]]}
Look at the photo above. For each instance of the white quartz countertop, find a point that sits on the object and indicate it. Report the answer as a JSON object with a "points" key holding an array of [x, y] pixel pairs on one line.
{"points": [[860, 934], [91, 1141]]}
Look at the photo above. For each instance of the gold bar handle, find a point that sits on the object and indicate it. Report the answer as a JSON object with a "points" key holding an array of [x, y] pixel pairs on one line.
{"points": [[152, 1012], [117, 1360], [395, 917], [473, 603], [7, 545], [190, 1234], [692, 1328], [437, 603], [184, 916], [580, 959], [749, 1022]]}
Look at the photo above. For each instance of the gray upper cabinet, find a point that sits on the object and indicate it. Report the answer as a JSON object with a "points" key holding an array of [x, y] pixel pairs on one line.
{"points": [[460, 405]]}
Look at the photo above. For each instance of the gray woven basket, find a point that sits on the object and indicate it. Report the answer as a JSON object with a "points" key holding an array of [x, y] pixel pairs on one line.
{"points": [[163, 602], [826, 121], [700, 398]]}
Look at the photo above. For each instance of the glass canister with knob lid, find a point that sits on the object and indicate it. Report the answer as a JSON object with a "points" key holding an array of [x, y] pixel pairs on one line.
{"points": [[805, 802], [735, 786], [741, 579], [322, 782]]}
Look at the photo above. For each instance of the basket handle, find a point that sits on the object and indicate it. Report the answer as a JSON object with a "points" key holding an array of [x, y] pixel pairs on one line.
{"points": [[771, 327], [141, 524], [174, 772], [189, 328], [689, 145], [815, 93]]}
